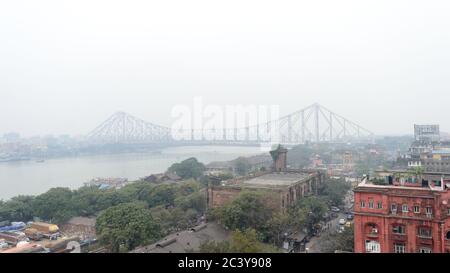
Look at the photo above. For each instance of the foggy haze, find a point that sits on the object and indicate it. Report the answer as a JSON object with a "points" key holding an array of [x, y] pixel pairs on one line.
{"points": [[66, 66]]}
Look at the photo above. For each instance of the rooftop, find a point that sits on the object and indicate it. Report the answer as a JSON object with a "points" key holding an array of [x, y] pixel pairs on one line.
{"points": [[187, 240], [277, 179], [82, 221], [405, 185]]}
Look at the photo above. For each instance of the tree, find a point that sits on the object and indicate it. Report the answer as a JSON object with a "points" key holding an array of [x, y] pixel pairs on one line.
{"points": [[300, 156], [19, 208], [308, 212], [189, 168], [215, 179], [277, 226], [188, 187], [344, 241], [126, 226], [242, 166], [246, 241], [196, 201], [248, 210], [334, 191], [215, 247], [55, 205], [161, 195]]}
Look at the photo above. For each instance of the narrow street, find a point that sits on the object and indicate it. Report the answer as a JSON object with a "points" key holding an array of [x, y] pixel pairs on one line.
{"points": [[314, 243], [333, 226]]}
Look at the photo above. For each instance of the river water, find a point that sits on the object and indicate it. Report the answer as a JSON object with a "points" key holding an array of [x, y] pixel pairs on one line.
{"points": [[31, 177]]}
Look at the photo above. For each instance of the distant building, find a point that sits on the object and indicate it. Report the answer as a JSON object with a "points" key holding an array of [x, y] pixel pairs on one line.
{"points": [[347, 161], [286, 186], [11, 137], [317, 161], [427, 133], [428, 151], [162, 178], [188, 240], [107, 183], [436, 160], [403, 212]]}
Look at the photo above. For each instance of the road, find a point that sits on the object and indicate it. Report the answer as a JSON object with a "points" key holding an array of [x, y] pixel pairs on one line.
{"points": [[314, 244]]}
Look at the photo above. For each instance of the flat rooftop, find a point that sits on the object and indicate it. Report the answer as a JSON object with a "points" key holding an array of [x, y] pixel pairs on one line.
{"points": [[188, 240], [369, 184], [276, 179]]}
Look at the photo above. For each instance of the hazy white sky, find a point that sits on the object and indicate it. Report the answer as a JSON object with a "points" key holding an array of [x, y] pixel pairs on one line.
{"points": [[65, 66]]}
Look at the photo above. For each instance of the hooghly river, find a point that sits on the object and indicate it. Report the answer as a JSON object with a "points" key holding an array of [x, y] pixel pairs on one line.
{"points": [[31, 177]]}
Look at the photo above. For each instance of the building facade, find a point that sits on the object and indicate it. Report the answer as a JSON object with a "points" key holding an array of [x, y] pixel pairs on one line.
{"points": [[427, 133], [285, 186], [406, 214], [437, 160]]}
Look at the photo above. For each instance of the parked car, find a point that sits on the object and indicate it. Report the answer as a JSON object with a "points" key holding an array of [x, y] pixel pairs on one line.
{"points": [[342, 221], [350, 217], [335, 209]]}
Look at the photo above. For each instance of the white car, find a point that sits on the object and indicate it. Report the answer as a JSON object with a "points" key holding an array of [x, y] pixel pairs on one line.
{"points": [[342, 222], [334, 209]]}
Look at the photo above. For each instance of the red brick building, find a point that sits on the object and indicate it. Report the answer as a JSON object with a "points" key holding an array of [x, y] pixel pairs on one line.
{"points": [[285, 186], [400, 212]]}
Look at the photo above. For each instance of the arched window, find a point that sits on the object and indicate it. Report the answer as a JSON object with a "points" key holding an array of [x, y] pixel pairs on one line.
{"points": [[448, 235], [371, 228]]}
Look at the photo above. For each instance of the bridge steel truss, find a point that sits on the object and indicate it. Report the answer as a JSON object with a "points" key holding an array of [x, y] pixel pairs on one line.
{"points": [[126, 129], [312, 124]]}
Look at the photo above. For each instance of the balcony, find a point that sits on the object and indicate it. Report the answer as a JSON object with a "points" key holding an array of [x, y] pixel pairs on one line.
{"points": [[426, 240], [372, 235], [399, 237]]}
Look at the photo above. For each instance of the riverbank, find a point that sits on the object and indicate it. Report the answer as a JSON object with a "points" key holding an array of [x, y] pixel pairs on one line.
{"points": [[32, 178]]}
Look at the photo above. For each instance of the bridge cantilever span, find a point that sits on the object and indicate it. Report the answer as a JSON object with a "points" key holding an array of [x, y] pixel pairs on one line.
{"points": [[311, 124]]}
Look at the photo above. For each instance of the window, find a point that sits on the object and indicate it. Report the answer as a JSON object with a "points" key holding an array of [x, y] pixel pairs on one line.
{"points": [[363, 204], [370, 204], [448, 235], [429, 210], [399, 248], [373, 247], [394, 208], [416, 209], [424, 250], [448, 211], [437, 183], [405, 208], [399, 230], [373, 229], [425, 232], [380, 205]]}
